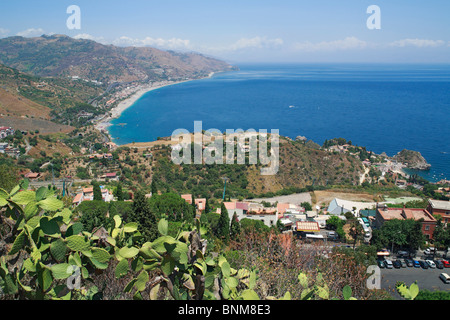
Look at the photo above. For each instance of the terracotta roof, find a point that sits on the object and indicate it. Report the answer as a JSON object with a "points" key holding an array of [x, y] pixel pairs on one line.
{"points": [[402, 214], [77, 198]]}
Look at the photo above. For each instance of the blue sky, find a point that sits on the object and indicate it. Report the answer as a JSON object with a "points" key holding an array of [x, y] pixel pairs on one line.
{"points": [[250, 30]]}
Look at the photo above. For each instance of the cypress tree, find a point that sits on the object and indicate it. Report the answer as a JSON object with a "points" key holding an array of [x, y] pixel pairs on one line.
{"points": [[223, 226], [235, 229], [145, 218], [97, 192]]}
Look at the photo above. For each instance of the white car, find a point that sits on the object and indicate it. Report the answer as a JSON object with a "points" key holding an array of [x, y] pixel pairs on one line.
{"points": [[389, 264], [431, 263]]}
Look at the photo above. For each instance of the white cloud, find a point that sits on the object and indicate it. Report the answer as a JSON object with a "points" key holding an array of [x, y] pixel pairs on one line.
{"points": [[420, 43], [256, 42], [32, 32], [174, 43], [87, 36], [3, 32], [345, 44]]}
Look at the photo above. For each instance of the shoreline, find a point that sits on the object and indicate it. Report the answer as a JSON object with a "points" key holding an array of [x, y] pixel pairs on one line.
{"points": [[117, 111]]}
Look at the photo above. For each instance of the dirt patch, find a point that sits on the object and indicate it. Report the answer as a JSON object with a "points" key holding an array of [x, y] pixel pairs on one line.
{"points": [[328, 196], [27, 124]]}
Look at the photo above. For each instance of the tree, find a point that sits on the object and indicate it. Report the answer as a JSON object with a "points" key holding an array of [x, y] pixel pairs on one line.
{"points": [[235, 229], [306, 205], [97, 192], [119, 192], [223, 226], [96, 218], [144, 217], [153, 187], [9, 177]]}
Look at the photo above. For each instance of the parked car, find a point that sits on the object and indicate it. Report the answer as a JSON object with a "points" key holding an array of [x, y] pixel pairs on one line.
{"points": [[439, 264], [423, 264], [381, 264], [397, 264], [444, 277], [409, 262], [416, 263], [401, 254], [445, 263], [431, 264], [389, 264], [403, 263], [429, 250]]}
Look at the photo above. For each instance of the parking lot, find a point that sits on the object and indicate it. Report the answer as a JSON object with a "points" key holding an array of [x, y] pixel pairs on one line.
{"points": [[427, 279]]}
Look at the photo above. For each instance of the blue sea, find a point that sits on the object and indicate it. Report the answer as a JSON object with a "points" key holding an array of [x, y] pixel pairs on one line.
{"points": [[386, 108]]}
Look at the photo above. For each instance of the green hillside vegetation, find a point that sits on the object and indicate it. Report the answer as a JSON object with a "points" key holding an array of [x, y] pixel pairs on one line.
{"points": [[301, 169]]}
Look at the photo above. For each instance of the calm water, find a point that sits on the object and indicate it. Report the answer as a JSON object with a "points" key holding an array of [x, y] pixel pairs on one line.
{"points": [[386, 108]]}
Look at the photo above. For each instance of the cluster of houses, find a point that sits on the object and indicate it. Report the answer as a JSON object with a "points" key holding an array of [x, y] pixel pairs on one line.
{"points": [[5, 148], [87, 194], [370, 215], [5, 132]]}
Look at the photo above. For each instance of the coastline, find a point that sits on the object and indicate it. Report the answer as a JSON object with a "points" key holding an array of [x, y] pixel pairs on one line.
{"points": [[115, 113]]}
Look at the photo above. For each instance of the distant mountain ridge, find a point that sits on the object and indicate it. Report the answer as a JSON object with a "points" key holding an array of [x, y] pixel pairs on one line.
{"points": [[63, 56]]}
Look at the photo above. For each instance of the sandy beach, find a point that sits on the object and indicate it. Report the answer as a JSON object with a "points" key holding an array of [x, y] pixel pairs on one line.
{"points": [[116, 112]]}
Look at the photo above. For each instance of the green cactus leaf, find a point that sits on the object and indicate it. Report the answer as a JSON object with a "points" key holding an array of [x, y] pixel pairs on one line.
{"points": [[141, 281], [232, 282], [51, 204], [117, 221], [101, 255], [74, 229], [154, 292], [49, 226], [97, 264], [121, 269], [209, 280], [44, 277], [61, 271], [167, 265], [130, 227], [226, 269], [163, 227], [149, 253], [249, 295], [303, 279], [41, 193], [29, 265], [128, 253], [65, 214], [77, 243], [18, 243], [158, 244], [323, 292], [58, 249], [252, 280], [287, 296], [31, 210], [24, 197], [75, 259], [414, 290], [347, 292]]}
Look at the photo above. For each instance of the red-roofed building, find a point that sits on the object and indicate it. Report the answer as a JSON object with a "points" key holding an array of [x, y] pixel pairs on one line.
{"points": [[427, 220]]}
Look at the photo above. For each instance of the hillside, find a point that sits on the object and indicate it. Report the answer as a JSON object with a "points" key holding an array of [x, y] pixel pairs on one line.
{"points": [[63, 57], [25, 94]]}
